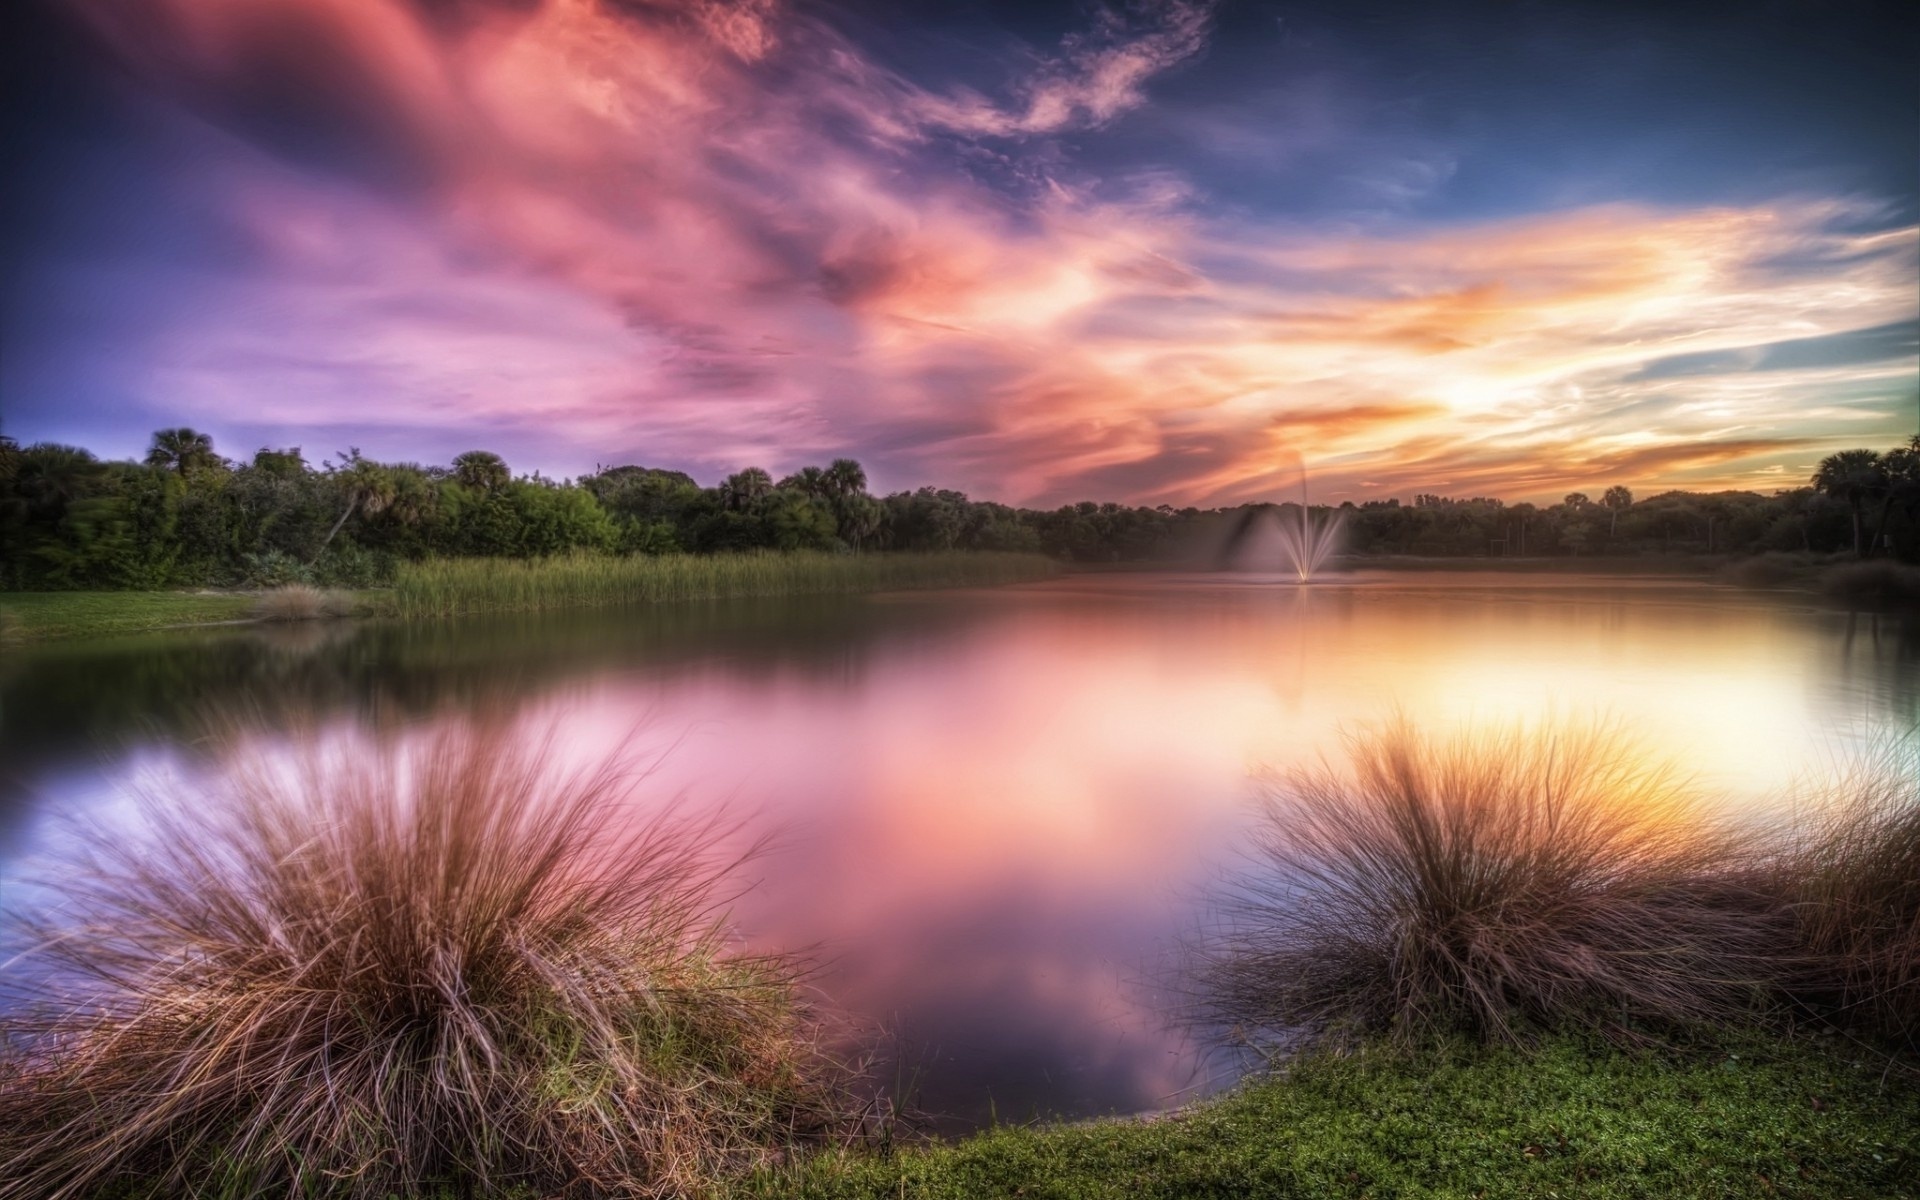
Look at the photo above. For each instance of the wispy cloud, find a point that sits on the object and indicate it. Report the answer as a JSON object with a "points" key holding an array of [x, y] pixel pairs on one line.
{"points": [[720, 233], [1096, 76]]}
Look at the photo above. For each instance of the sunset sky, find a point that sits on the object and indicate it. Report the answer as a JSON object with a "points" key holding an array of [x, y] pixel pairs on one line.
{"points": [[1162, 251]]}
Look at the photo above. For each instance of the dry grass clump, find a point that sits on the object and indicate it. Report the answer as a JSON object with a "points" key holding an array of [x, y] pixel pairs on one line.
{"points": [[1876, 581], [1771, 569], [370, 973], [1852, 880], [301, 602], [1494, 883]]}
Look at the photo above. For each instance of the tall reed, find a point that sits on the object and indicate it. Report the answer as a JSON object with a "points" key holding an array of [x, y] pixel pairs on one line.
{"points": [[1850, 875], [1499, 881], [449, 587], [374, 972]]}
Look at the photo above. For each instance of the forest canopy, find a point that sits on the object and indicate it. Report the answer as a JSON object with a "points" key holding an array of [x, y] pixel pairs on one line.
{"points": [[187, 516]]}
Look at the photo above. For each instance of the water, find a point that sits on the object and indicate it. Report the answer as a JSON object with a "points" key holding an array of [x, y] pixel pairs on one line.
{"points": [[999, 809]]}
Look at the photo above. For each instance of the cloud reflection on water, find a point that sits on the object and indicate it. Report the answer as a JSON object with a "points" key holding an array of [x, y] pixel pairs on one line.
{"points": [[996, 810]]}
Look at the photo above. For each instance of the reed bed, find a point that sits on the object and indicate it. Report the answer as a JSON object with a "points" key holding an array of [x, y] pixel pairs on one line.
{"points": [[444, 967], [1493, 884], [451, 587]]}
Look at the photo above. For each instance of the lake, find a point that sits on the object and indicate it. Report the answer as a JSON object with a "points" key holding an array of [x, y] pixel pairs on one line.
{"points": [[997, 813]]}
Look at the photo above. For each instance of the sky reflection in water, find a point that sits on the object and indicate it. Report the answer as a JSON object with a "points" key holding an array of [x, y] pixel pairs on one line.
{"points": [[997, 811]]}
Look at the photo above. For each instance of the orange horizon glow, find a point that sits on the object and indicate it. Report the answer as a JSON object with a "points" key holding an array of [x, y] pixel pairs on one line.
{"points": [[707, 234]]}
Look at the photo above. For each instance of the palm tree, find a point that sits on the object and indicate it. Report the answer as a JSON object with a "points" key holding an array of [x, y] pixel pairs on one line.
{"points": [[1854, 476], [368, 487], [745, 489], [181, 450], [48, 476], [414, 499], [846, 478], [1617, 500], [810, 482], [481, 469], [859, 517], [1900, 469]]}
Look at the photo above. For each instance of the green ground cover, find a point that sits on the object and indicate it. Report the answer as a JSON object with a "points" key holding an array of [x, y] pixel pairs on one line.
{"points": [[1768, 1118], [45, 615], [452, 587]]}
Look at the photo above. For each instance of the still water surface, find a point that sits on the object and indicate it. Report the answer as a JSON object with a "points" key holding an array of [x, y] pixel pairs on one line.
{"points": [[999, 811]]}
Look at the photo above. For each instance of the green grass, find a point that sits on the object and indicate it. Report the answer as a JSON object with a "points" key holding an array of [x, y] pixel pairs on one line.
{"points": [[452, 587], [1563, 1120], [39, 616]]}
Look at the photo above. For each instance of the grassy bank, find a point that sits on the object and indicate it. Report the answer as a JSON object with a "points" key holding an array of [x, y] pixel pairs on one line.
{"points": [[1569, 1119], [40, 616], [451, 587]]}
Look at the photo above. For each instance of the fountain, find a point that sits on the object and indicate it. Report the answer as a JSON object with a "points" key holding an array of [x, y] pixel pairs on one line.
{"points": [[1306, 541], [1310, 541]]}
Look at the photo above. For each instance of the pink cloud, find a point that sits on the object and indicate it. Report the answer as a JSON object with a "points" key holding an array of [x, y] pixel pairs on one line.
{"points": [[717, 234]]}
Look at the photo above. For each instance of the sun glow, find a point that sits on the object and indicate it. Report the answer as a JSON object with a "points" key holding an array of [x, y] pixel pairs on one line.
{"points": [[739, 237]]}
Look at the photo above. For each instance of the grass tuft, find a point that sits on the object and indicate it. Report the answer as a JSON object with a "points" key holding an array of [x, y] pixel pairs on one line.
{"points": [[450, 587], [301, 602], [1851, 878], [365, 972], [1497, 883]]}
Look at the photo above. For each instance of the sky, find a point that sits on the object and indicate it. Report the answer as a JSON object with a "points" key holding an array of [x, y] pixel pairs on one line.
{"points": [[1158, 251]]}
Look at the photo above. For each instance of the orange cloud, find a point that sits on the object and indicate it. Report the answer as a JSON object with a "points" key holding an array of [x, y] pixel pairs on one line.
{"points": [[719, 233]]}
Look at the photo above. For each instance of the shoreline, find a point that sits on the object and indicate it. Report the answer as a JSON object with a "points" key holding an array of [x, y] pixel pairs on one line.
{"points": [[38, 617], [445, 589]]}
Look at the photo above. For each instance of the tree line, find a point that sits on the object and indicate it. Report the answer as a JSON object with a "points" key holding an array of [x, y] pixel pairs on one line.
{"points": [[187, 516]]}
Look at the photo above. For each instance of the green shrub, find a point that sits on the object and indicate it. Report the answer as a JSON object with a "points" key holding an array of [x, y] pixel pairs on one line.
{"points": [[274, 568], [349, 565]]}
